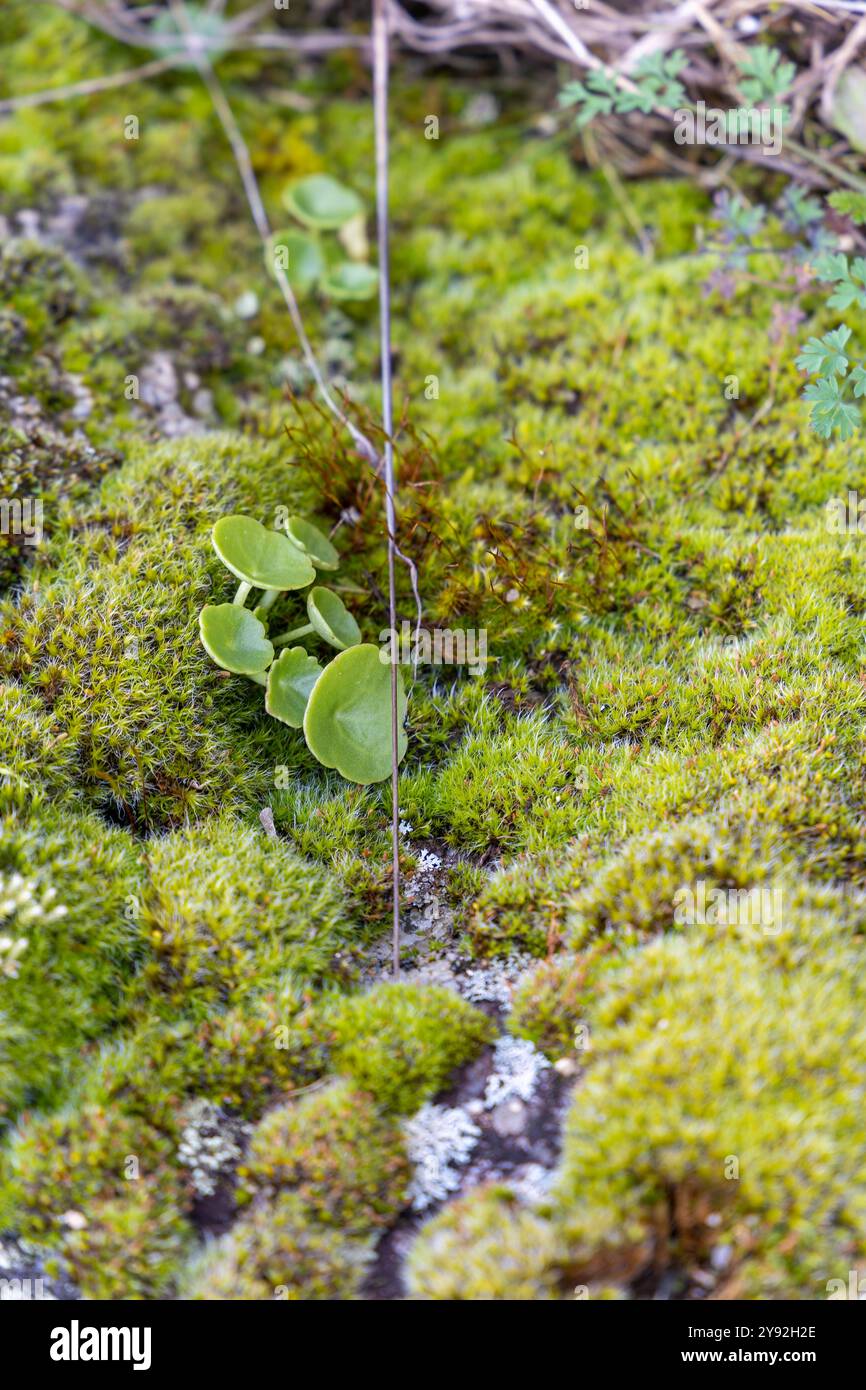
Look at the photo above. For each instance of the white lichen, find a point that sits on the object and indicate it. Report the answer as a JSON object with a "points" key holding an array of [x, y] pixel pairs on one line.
{"points": [[531, 1184], [208, 1145], [423, 880], [517, 1065], [439, 1141], [492, 983]]}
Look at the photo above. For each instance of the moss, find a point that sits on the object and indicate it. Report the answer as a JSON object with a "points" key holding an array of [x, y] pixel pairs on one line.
{"points": [[239, 1059], [522, 905], [204, 339], [635, 893], [133, 1246], [41, 464], [516, 790], [483, 1247], [40, 291], [228, 910], [72, 980], [277, 1252], [338, 1152], [747, 1064], [549, 1003], [401, 1042], [95, 1188], [37, 754]]}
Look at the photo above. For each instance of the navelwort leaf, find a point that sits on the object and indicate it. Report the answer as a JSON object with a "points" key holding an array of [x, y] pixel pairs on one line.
{"points": [[313, 542], [299, 255], [235, 639], [290, 681], [320, 201], [261, 558], [347, 723], [351, 280], [331, 618]]}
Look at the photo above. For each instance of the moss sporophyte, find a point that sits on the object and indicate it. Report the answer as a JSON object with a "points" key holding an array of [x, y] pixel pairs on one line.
{"points": [[344, 708]]}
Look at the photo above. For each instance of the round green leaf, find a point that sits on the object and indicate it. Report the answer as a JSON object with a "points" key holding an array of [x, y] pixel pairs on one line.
{"points": [[302, 258], [331, 618], [320, 201], [348, 720], [290, 680], [263, 558], [235, 638], [202, 31], [351, 280], [313, 542]]}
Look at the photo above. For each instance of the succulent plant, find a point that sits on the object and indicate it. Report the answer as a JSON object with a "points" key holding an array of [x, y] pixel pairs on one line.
{"points": [[328, 617], [351, 280], [290, 682], [321, 202], [313, 542], [322, 206], [260, 558], [235, 639], [301, 254], [347, 723], [344, 708]]}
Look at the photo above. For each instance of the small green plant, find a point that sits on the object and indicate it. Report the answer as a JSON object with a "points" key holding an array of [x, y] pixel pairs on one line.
{"points": [[656, 83], [343, 708], [309, 258], [833, 406]]}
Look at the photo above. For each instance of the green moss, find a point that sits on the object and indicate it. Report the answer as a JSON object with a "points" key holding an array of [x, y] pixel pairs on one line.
{"points": [[133, 1246], [401, 1042], [549, 1004], [41, 290], [228, 910], [483, 1247], [338, 1152], [277, 1252], [239, 1059], [635, 893], [43, 465], [83, 945], [522, 905], [37, 754], [747, 1061], [95, 1188], [516, 790]]}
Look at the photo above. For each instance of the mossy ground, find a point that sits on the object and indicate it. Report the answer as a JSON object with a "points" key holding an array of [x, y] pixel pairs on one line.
{"points": [[676, 692]]}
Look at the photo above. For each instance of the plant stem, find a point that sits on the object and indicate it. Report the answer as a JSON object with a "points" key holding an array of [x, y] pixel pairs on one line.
{"points": [[836, 171], [269, 599], [87, 88], [240, 597], [290, 636], [260, 678], [380, 121]]}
